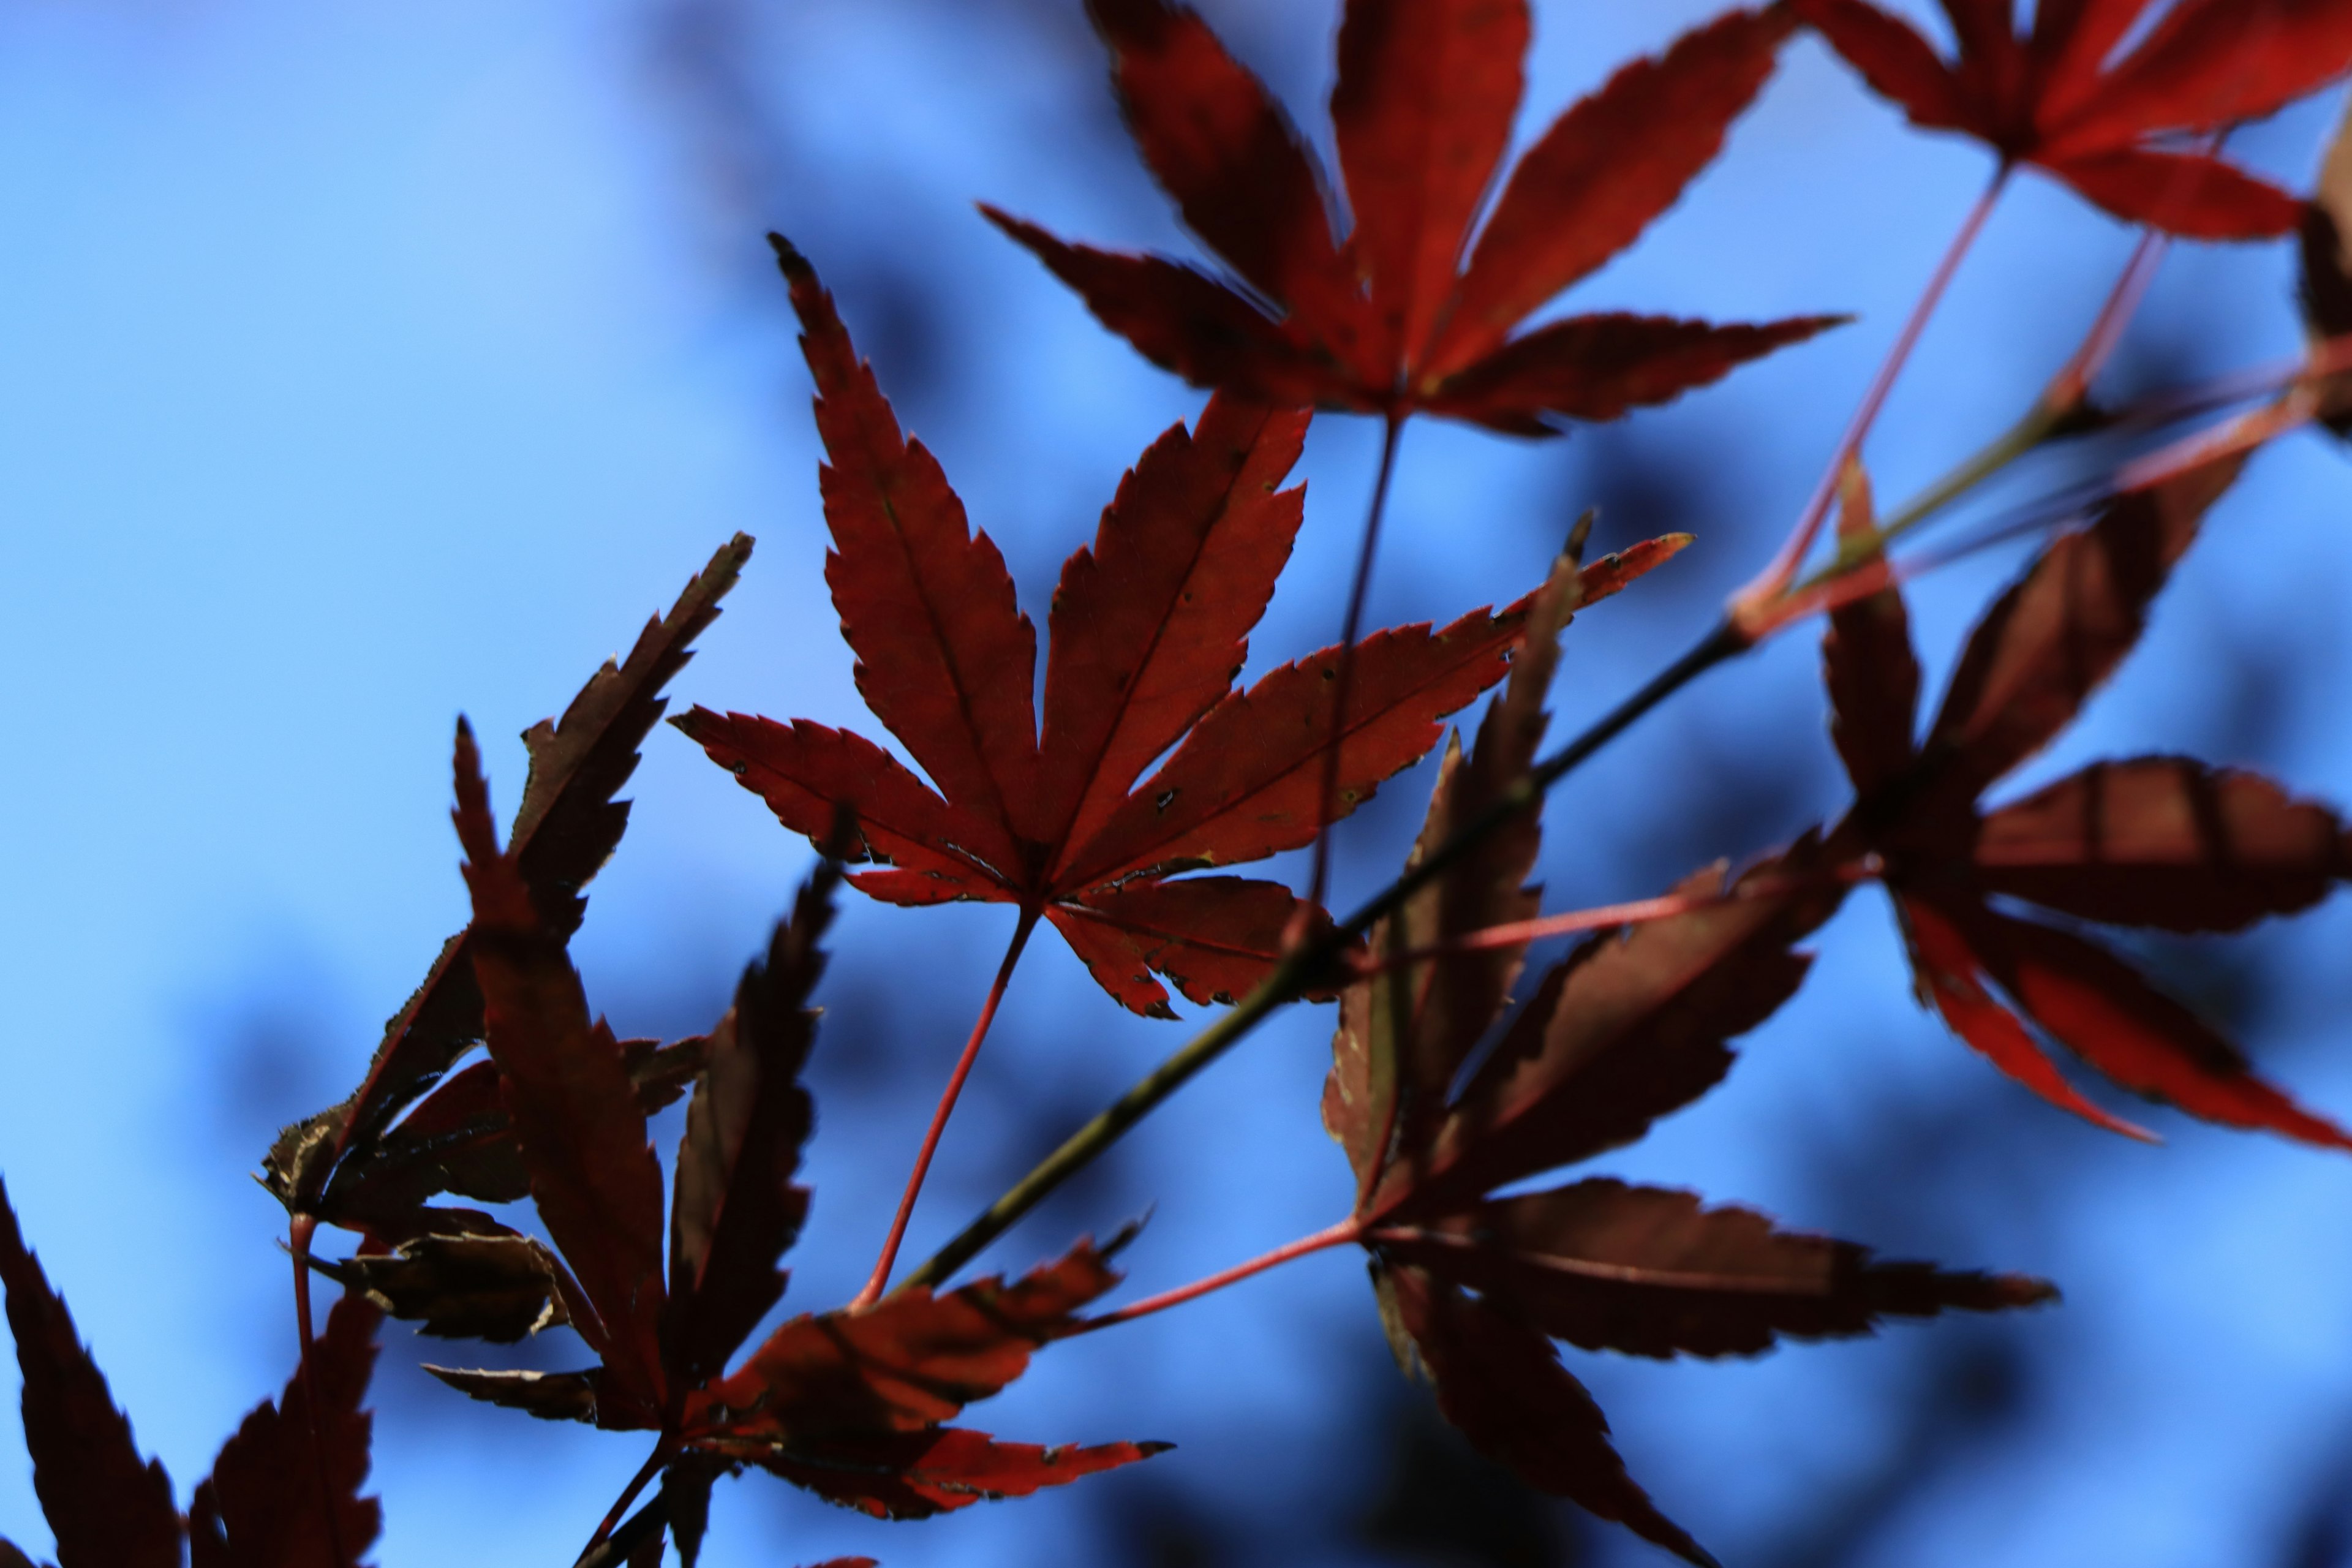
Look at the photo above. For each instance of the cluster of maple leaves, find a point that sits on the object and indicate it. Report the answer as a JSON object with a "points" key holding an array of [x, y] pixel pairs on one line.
{"points": [[1445, 1101]]}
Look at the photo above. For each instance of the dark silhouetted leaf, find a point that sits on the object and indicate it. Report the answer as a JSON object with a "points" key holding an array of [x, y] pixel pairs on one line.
{"points": [[2326, 294], [913, 1475], [736, 1209], [565, 831], [106, 1507], [549, 1395], [280, 1497], [567, 1091], [1867, 663], [685, 1494], [1650, 1272], [1634, 1025], [1402, 1038], [498, 1288], [1631, 1027], [1503, 1385], [2053, 639], [2163, 842]]}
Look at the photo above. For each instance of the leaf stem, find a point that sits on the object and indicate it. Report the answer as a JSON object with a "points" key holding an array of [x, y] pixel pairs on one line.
{"points": [[1604, 917], [2072, 383], [2059, 402], [1326, 794], [1783, 570], [632, 1531], [299, 1232], [1340, 1234], [948, 1097], [1302, 962], [646, 1472]]}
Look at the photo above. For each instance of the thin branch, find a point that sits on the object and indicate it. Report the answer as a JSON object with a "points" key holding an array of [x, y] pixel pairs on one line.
{"points": [[1605, 917], [1326, 794], [1339, 1234], [646, 1472], [2243, 434], [2072, 383], [1785, 566], [2060, 401], [632, 1532], [948, 1097]]}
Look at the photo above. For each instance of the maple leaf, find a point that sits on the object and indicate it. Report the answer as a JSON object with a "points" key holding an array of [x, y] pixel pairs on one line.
{"points": [[1149, 627], [1633, 1026], [346, 1165], [2057, 98], [2160, 842], [284, 1491], [835, 1401], [1381, 320]]}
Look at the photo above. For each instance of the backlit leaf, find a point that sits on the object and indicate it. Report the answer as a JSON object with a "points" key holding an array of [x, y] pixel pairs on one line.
{"points": [[914, 1475], [1503, 1385], [2058, 98], [1392, 319]]}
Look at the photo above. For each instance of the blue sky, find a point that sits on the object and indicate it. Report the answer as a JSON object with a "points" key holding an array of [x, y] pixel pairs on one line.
{"points": [[368, 364]]}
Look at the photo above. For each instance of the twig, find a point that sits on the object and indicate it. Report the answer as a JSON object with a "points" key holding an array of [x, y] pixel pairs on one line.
{"points": [[1339, 1234], [1343, 679], [2060, 401], [1783, 570], [646, 1472], [628, 1535], [883, 1264], [1640, 912]]}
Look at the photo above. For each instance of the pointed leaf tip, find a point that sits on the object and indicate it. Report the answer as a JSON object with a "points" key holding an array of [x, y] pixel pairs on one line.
{"points": [[477, 832]]}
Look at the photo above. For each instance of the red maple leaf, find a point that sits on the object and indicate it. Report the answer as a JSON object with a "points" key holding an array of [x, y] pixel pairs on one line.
{"points": [[1149, 627], [2162, 842], [2058, 98], [1388, 319], [1631, 1027], [848, 1402], [284, 1491]]}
